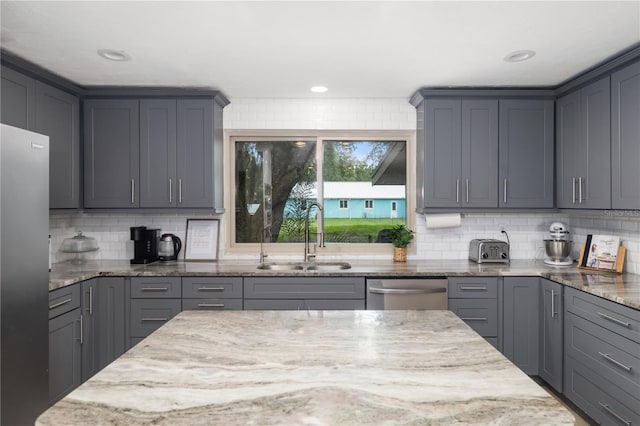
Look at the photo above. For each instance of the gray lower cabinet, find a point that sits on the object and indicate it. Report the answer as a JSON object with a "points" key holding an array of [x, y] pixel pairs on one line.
{"points": [[111, 153], [104, 325], [583, 144], [18, 93], [625, 138], [211, 293], [551, 333], [65, 342], [299, 304], [475, 301], [526, 153], [154, 301], [520, 337]]}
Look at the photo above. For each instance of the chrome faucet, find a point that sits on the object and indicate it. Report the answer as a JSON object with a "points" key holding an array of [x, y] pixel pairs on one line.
{"points": [[308, 255], [263, 253]]}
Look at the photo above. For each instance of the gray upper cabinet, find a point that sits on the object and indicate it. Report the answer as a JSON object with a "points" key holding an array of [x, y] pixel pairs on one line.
{"points": [[551, 333], [111, 153], [526, 175], [583, 147], [18, 99], [520, 322], [57, 115], [625, 138]]}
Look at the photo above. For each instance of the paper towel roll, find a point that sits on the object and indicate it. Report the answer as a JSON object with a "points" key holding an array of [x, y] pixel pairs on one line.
{"points": [[442, 220]]}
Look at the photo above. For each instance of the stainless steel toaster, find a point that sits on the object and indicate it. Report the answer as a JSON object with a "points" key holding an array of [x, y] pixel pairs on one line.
{"points": [[488, 251]]}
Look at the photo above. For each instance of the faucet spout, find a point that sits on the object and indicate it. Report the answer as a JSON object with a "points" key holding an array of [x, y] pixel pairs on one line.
{"points": [[307, 254]]}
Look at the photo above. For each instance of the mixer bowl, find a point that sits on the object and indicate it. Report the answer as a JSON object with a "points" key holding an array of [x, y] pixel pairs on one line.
{"points": [[558, 249]]}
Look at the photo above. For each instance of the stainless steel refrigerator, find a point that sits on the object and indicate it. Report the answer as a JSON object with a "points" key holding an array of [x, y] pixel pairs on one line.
{"points": [[24, 273]]}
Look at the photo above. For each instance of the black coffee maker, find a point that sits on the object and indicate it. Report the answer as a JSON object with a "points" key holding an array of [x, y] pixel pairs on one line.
{"points": [[145, 244]]}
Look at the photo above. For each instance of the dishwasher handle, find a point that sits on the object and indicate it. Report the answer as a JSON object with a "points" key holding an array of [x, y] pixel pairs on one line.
{"points": [[377, 290]]}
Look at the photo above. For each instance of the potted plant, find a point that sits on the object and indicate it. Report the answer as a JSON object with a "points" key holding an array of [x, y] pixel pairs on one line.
{"points": [[400, 237]]}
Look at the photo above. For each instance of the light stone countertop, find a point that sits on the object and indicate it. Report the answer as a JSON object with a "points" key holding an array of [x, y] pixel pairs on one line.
{"points": [[313, 368], [620, 288]]}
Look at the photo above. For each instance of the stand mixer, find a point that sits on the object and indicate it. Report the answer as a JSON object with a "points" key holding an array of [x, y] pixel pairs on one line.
{"points": [[558, 248]]}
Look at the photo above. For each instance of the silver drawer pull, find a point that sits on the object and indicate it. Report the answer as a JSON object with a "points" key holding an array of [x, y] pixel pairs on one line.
{"points": [[474, 319], [616, 320], [64, 302], [613, 361], [155, 319], [154, 289], [376, 290], [614, 414], [211, 289], [483, 288], [211, 305]]}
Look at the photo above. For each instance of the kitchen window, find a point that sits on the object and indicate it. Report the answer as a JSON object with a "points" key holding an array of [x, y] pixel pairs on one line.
{"points": [[361, 183]]}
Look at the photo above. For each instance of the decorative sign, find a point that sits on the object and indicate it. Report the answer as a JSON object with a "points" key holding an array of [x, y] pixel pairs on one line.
{"points": [[603, 253], [202, 240]]}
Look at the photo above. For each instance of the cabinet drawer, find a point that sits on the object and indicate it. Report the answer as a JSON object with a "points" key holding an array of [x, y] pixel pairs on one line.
{"points": [[208, 287], [156, 288], [63, 300], [605, 353], [211, 304], [610, 315], [473, 288], [304, 288], [147, 315], [336, 304], [273, 305], [605, 402], [479, 314]]}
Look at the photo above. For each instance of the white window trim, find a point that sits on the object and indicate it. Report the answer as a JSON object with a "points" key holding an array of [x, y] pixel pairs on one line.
{"points": [[365, 204], [232, 250], [340, 204]]}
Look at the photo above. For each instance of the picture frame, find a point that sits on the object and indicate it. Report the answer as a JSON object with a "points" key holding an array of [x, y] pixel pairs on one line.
{"points": [[201, 242], [602, 253]]}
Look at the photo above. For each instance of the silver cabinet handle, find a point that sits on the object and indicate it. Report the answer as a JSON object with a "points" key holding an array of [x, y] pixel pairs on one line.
{"points": [[473, 319], [467, 191], [55, 305], [133, 190], [504, 196], [211, 289], [580, 190], [376, 290], [170, 190], [457, 191], [573, 190], [90, 300], [211, 305], [615, 362], [154, 289], [616, 320], [614, 414], [154, 319], [478, 288], [179, 191], [81, 331], [553, 303]]}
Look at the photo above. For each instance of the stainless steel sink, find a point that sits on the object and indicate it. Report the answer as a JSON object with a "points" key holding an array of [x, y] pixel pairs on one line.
{"points": [[312, 266]]}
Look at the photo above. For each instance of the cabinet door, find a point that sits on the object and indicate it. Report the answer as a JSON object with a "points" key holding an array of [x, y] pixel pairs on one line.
{"points": [[304, 288], [551, 333], [442, 154], [111, 153], [103, 307], [158, 185], [57, 116], [526, 153], [570, 156], [274, 305], [195, 153], [65, 351], [18, 93], [479, 184], [625, 138], [520, 328]]}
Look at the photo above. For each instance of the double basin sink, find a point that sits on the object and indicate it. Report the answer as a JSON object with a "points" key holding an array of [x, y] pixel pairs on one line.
{"points": [[304, 266]]}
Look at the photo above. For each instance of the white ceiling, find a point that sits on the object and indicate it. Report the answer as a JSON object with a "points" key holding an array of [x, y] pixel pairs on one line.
{"points": [[281, 49]]}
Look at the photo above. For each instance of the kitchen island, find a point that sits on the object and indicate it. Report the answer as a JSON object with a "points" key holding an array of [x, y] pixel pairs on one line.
{"points": [[310, 367]]}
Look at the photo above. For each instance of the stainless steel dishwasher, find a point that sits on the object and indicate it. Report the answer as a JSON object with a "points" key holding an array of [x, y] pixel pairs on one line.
{"points": [[411, 293]]}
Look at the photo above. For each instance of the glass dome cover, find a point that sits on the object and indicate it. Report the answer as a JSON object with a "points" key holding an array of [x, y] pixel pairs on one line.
{"points": [[79, 244]]}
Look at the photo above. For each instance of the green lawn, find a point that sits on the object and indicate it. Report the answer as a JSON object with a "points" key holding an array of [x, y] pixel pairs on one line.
{"points": [[353, 230]]}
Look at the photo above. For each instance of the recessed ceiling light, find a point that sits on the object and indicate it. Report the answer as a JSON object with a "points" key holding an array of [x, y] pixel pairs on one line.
{"points": [[319, 89], [519, 56], [114, 55]]}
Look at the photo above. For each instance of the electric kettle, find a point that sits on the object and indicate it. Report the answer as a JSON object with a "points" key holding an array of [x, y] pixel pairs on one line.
{"points": [[169, 247]]}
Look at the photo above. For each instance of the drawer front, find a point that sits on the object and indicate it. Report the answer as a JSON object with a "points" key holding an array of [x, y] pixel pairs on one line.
{"points": [[473, 288], [156, 288], [479, 314], [612, 316], [273, 305], [605, 353], [211, 304], [147, 315], [493, 341], [63, 300], [336, 304], [598, 397], [304, 288], [212, 287]]}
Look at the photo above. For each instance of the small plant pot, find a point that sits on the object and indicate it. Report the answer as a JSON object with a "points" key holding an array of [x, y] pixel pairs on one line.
{"points": [[399, 254]]}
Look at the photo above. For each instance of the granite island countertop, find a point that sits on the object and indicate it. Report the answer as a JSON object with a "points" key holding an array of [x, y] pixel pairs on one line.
{"points": [[313, 367], [620, 288]]}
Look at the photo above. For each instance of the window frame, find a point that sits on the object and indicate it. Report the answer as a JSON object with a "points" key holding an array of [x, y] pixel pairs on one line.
{"points": [[369, 201], [239, 251], [346, 204]]}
